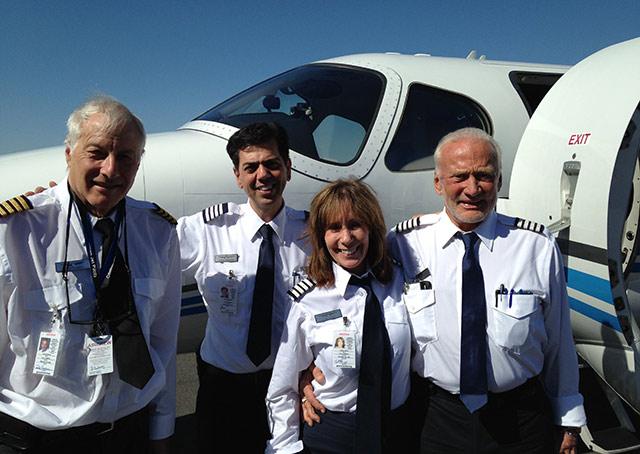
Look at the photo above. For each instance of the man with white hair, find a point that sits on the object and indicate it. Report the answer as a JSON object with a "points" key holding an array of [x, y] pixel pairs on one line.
{"points": [[98, 275], [488, 305]]}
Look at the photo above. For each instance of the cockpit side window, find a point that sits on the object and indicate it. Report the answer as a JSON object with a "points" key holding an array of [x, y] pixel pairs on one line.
{"points": [[327, 110], [429, 115]]}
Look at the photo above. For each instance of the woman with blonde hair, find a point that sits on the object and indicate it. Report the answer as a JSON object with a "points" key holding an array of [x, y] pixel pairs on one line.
{"points": [[354, 293]]}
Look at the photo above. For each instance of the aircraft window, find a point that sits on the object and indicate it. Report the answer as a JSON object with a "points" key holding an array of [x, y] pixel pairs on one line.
{"points": [[532, 87], [338, 139], [429, 115], [327, 110]]}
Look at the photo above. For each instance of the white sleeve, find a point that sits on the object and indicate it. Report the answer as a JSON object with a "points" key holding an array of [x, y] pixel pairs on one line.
{"points": [[283, 400], [6, 289], [191, 231], [164, 338], [560, 372]]}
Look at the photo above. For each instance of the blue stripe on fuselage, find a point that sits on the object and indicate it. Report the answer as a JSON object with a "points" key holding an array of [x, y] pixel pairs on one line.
{"points": [[192, 305], [596, 287]]}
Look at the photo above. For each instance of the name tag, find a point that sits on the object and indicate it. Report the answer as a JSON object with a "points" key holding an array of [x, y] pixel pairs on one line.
{"points": [[325, 316], [221, 258], [73, 265]]}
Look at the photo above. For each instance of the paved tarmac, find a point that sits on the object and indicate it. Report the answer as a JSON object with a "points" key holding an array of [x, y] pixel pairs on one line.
{"points": [[186, 389]]}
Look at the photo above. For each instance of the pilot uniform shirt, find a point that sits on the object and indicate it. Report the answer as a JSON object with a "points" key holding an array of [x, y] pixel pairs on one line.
{"points": [[310, 334], [32, 291], [528, 325], [223, 251]]}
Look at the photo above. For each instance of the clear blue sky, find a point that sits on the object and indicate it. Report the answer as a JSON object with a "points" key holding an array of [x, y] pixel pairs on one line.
{"points": [[170, 61]]}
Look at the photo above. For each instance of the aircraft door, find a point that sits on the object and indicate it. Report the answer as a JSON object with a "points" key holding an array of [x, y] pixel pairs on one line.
{"points": [[577, 171]]}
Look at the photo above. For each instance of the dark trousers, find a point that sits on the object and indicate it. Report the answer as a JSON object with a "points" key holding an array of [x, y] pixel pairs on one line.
{"points": [[517, 421], [127, 435], [336, 433], [231, 415]]}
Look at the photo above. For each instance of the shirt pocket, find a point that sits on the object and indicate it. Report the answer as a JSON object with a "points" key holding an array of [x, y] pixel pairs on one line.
{"points": [[516, 320], [421, 306], [147, 290], [398, 328], [41, 304], [212, 291], [323, 342]]}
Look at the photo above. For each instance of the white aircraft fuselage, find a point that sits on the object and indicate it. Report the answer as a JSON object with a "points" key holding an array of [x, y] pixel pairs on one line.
{"points": [[573, 166]]}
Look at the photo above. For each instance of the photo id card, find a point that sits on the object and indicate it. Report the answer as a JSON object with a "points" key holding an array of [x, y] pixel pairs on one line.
{"points": [[100, 357], [229, 297], [344, 349], [47, 354]]}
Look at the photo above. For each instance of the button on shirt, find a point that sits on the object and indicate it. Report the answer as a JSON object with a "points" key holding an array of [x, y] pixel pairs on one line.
{"points": [[31, 243], [528, 329], [234, 239], [305, 340]]}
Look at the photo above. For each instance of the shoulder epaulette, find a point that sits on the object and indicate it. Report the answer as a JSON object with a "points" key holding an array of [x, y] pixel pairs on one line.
{"points": [[15, 205], [528, 225], [407, 225], [395, 261], [165, 215], [214, 211], [301, 288], [297, 215]]}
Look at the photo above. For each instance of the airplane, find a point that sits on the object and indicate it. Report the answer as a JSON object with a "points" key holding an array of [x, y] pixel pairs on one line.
{"points": [[569, 142]]}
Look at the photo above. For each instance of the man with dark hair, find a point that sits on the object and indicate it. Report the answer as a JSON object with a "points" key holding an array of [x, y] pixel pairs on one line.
{"points": [[259, 133], [94, 276], [255, 251]]}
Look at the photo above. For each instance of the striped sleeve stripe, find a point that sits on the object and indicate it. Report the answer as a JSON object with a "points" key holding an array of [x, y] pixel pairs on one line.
{"points": [[214, 211], [15, 205], [301, 288]]}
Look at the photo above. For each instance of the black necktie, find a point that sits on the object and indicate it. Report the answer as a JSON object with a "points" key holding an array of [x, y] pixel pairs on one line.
{"points": [[259, 341], [115, 300], [374, 382], [473, 352]]}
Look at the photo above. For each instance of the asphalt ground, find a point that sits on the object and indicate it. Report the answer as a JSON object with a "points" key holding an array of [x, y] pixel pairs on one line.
{"points": [[184, 441]]}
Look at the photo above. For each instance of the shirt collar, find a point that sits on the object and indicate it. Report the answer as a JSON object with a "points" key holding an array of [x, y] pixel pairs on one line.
{"points": [[254, 222], [447, 230], [342, 276]]}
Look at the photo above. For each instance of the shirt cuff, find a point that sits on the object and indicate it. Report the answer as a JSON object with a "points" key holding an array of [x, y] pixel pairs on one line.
{"points": [[568, 411], [289, 449], [161, 426]]}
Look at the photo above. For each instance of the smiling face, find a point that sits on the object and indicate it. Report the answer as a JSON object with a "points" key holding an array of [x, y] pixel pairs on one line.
{"points": [[103, 165], [347, 240], [468, 180], [263, 175]]}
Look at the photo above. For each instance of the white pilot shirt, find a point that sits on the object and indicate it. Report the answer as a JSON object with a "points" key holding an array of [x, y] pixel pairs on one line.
{"points": [[305, 339], [528, 333], [224, 252], [31, 243]]}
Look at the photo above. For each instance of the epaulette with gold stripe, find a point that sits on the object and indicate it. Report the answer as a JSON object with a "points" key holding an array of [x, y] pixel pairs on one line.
{"points": [[528, 225], [301, 288], [15, 205], [165, 215], [407, 225]]}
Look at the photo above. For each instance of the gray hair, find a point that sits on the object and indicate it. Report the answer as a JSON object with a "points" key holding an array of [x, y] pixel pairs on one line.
{"points": [[118, 116], [473, 134]]}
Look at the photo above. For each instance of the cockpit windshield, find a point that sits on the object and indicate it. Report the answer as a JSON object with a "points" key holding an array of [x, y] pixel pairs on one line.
{"points": [[328, 111]]}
